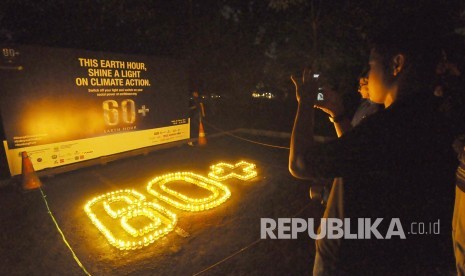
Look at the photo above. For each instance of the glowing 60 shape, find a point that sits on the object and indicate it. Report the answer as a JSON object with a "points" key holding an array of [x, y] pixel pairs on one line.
{"points": [[131, 207]]}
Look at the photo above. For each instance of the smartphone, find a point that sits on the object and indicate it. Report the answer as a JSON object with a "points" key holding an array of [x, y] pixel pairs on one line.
{"points": [[320, 96]]}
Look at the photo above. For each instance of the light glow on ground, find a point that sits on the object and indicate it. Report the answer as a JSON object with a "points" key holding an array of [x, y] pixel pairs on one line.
{"points": [[141, 222], [164, 220], [223, 171], [220, 193]]}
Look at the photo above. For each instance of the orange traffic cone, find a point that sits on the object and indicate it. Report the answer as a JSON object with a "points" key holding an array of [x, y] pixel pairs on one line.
{"points": [[202, 138], [30, 180]]}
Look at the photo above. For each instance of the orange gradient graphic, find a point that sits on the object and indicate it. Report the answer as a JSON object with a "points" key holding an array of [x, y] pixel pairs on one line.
{"points": [[61, 120]]}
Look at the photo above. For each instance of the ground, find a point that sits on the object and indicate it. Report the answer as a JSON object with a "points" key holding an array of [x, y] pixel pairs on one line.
{"points": [[222, 240], [32, 245]]}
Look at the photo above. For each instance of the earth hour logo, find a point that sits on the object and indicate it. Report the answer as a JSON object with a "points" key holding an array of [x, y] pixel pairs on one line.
{"points": [[129, 221]]}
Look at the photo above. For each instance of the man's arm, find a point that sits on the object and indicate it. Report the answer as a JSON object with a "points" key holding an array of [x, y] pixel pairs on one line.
{"points": [[302, 132], [332, 105], [301, 140], [342, 126]]}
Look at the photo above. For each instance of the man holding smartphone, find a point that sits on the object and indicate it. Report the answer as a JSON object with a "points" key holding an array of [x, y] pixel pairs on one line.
{"points": [[333, 106], [395, 165]]}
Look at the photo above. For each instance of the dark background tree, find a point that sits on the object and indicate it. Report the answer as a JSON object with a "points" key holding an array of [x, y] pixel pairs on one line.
{"points": [[233, 46]]}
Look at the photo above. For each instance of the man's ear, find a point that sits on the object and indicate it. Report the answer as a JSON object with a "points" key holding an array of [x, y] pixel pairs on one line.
{"points": [[398, 62]]}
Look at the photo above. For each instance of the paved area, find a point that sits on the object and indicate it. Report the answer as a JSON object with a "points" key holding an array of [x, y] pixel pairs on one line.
{"points": [[218, 241], [30, 243]]}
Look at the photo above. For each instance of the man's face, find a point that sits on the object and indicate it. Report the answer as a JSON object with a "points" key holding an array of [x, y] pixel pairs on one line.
{"points": [[363, 88], [376, 84]]}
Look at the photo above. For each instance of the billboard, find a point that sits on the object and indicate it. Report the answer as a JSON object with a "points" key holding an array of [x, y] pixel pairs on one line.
{"points": [[64, 106]]}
